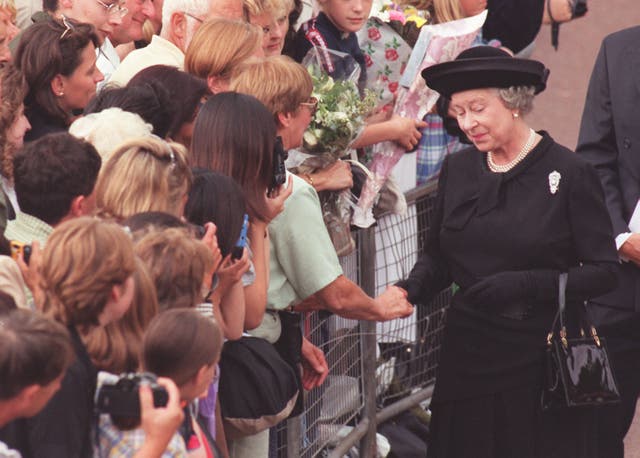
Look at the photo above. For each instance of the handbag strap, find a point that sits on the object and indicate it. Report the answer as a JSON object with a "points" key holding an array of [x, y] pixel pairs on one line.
{"points": [[562, 305]]}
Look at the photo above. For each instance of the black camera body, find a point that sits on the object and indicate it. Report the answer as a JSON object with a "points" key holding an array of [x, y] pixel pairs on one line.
{"points": [[279, 169], [579, 8], [121, 398]]}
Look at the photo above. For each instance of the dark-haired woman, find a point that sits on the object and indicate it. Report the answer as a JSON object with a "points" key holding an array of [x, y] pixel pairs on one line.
{"points": [[58, 60], [188, 93], [220, 143], [513, 212]]}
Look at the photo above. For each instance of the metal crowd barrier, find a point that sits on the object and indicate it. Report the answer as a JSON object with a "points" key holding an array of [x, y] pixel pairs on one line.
{"points": [[377, 370]]}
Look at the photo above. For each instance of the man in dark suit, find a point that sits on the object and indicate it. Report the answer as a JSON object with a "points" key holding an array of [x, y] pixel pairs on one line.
{"points": [[610, 140]]}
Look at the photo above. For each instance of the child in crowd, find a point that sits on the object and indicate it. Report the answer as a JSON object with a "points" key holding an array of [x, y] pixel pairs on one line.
{"points": [[184, 346], [218, 198], [335, 29], [180, 265]]}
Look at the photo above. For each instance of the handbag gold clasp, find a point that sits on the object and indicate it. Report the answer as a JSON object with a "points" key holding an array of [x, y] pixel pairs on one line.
{"points": [[563, 336], [594, 334]]}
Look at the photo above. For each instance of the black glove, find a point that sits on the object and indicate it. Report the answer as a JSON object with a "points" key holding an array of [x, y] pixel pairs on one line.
{"points": [[499, 289]]}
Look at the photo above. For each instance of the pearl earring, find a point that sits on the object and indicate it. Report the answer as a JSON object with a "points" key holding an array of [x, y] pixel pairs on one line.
{"points": [[515, 115]]}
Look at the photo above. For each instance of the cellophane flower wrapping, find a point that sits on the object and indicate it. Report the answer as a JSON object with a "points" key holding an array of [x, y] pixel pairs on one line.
{"points": [[436, 44], [339, 119]]}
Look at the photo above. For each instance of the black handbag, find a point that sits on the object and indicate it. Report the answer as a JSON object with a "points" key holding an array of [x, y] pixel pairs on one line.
{"points": [[258, 389], [578, 371]]}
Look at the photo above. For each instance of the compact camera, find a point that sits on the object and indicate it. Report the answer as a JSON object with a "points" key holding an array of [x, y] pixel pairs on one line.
{"points": [[121, 398], [579, 8], [279, 169], [19, 247]]}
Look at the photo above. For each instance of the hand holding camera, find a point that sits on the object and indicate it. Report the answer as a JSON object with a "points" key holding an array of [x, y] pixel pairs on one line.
{"points": [[159, 423], [121, 399]]}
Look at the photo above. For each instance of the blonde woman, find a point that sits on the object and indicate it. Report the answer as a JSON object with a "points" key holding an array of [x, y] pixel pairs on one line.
{"points": [[272, 16], [218, 47], [146, 174]]}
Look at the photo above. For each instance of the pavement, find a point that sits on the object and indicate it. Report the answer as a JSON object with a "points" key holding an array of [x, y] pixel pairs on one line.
{"points": [[559, 109]]}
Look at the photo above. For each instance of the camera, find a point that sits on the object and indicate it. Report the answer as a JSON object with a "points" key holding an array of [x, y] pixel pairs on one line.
{"points": [[121, 398], [198, 231], [579, 8], [279, 169], [19, 247]]}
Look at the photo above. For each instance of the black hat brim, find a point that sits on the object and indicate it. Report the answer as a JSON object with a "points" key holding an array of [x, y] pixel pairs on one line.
{"points": [[461, 75]]}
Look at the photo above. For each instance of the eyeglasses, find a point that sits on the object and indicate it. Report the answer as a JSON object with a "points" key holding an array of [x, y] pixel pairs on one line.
{"points": [[200, 20], [312, 105], [114, 8]]}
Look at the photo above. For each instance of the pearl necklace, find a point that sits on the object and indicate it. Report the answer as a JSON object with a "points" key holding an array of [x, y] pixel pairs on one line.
{"points": [[516, 160]]}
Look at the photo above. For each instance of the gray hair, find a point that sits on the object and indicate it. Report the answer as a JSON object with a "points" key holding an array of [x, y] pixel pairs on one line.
{"points": [[518, 98], [194, 7]]}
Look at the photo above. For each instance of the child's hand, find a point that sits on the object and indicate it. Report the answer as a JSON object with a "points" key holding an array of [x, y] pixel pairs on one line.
{"points": [[159, 423], [231, 272], [211, 241], [407, 131]]}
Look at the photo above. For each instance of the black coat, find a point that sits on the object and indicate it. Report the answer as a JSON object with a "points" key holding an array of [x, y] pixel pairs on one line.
{"points": [[488, 224]]}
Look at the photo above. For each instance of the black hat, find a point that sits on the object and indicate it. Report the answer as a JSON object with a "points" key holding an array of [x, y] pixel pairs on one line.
{"points": [[482, 67]]}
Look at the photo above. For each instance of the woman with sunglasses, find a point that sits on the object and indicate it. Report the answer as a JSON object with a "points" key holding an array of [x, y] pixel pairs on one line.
{"points": [[58, 60]]}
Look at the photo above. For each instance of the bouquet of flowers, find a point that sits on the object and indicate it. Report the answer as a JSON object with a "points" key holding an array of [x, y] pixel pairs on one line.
{"points": [[339, 119], [436, 44]]}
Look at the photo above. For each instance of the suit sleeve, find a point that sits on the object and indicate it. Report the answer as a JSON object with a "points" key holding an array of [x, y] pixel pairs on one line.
{"points": [[430, 274], [597, 140]]}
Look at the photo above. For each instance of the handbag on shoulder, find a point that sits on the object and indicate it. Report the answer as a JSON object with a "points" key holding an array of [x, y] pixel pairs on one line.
{"points": [[578, 370], [258, 389]]}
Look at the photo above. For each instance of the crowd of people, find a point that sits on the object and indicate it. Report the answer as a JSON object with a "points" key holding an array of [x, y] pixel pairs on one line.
{"points": [[146, 223]]}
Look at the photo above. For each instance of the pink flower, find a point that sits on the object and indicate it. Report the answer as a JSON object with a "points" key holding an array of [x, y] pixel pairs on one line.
{"points": [[393, 87], [367, 60], [397, 16], [391, 54], [374, 34]]}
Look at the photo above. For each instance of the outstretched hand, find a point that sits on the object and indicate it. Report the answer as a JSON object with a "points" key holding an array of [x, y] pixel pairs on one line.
{"points": [[407, 131], [394, 304]]}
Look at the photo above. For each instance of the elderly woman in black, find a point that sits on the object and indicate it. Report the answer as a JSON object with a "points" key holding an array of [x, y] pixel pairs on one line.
{"points": [[513, 212]]}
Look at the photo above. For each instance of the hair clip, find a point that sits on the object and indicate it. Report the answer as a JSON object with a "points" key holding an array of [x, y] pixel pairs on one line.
{"points": [[67, 25]]}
